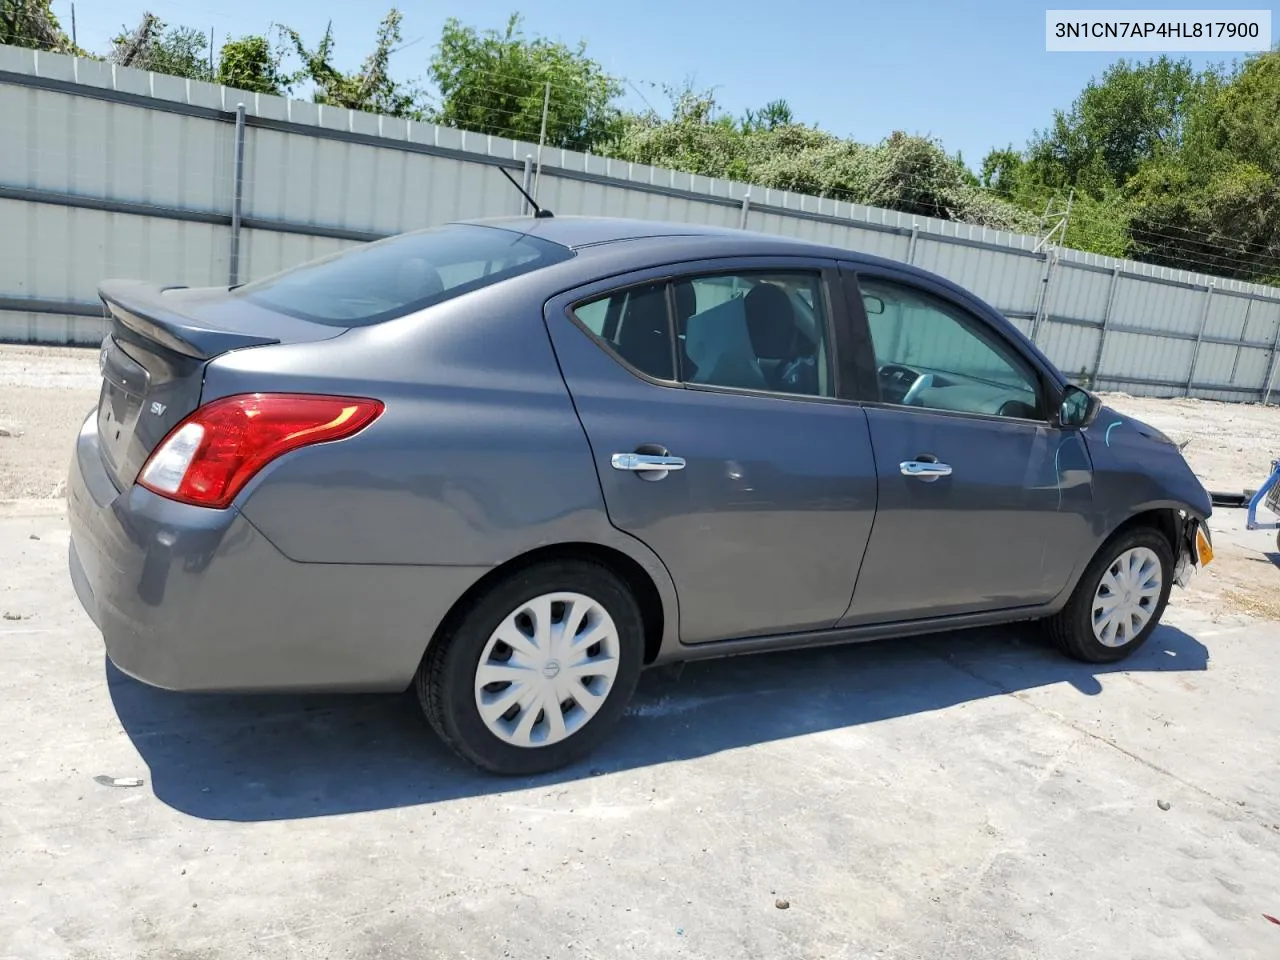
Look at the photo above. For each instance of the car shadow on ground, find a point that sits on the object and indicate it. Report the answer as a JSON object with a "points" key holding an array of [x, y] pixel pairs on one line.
{"points": [[259, 758]]}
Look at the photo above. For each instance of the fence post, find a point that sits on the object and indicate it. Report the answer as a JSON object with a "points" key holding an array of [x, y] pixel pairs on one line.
{"points": [[1042, 306], [1106, 322], [237, 197], [1271, 368], [1204, 320], [527, 184], [542, 137], [1244, 331], [746, 208], [911, 244]]}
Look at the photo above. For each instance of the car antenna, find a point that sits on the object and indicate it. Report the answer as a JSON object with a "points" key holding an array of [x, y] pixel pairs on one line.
{"points": [[538, 212]]}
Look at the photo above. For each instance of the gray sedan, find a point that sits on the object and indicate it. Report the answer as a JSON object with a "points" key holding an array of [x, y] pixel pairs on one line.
{"points": [[511, 463]]}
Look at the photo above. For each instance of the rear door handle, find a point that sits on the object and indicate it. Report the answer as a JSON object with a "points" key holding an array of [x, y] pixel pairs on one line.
{"points": [[924, 469], [646, 462]]}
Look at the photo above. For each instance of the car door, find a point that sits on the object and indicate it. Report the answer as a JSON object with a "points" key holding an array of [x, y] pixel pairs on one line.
{"points": [[711, 398], [983, 502]]}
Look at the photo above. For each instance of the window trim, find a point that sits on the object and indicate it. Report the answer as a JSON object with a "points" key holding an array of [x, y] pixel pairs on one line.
{"points": [[828, 276], [1047, 387]]}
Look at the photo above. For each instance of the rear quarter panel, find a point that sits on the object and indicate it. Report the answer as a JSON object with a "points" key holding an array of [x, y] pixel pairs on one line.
{"points": [[478, 457]]}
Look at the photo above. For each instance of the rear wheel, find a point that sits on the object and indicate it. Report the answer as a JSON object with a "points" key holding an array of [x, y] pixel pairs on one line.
{"points": [[1119, 599], [536, 670]]}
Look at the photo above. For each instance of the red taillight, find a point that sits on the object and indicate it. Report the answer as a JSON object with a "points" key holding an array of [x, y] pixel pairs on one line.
{"points": [[209, 457]]}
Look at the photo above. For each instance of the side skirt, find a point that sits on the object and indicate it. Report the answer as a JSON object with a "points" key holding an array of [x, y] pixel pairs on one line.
{"points": [[858, 634]]}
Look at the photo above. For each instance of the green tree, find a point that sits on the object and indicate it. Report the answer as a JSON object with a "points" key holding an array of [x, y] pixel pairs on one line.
{"points": [[1136, 113], [774, 114], [1215, 204], [495, 82], [903, 172], [371, 88], [250, 63], [154, 45], [31, 23], [1002, 171], [1242, 118]]}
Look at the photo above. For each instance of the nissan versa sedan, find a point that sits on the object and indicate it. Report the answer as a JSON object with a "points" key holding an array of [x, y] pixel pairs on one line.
{"points": [[511, 463]]}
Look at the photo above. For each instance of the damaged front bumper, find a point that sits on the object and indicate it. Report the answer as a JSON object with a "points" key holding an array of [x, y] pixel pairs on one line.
{"points": [[1195, 550]]}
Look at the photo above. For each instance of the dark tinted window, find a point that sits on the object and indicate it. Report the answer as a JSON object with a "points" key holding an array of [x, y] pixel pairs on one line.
{"points": [[633, 324], [390, 278]]}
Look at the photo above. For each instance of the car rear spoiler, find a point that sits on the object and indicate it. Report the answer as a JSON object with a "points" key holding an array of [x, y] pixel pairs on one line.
{"points": [[142, 308]]}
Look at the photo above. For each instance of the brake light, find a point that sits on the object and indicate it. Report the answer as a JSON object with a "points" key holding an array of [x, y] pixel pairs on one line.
{"points": [[209, 457]]}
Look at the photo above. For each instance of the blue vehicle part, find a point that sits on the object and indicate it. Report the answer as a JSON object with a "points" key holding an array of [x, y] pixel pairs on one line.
{"points": [[1252, 522]]}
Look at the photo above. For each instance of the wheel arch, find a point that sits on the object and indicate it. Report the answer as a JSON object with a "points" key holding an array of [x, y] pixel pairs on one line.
{"points": [[1166, 517], [654, 594]]}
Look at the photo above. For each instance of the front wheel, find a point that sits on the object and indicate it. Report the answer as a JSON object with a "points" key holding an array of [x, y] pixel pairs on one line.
{"points": [[539, 667], [1119, 599]]}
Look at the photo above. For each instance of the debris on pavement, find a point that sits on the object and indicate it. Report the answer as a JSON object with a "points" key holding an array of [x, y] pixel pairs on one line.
{"points": [[9, 615], [106, 781], [782, 904], [1163, 804]]}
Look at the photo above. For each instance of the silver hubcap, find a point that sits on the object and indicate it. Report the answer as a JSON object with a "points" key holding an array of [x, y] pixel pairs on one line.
{"points": [[1126, 597], [547, 669]]}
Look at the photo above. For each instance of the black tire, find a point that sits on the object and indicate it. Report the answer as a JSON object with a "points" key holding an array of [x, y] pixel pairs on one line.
{"points": [[445, 683], [1072, 628]]}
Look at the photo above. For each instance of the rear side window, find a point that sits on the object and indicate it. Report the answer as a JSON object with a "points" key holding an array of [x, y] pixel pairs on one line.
{"points": [[390, 278], [633, 324]]}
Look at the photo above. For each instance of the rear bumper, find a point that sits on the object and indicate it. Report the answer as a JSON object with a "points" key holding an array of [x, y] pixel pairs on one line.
{"points": [[194, 599]]}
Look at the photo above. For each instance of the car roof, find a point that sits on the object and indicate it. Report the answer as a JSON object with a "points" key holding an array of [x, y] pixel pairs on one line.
{"points": [[578, 232], [582, 234]]}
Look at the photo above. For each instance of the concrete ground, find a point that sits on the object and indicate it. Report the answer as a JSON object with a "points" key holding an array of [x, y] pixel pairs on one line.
{"points": [[964, 796]]}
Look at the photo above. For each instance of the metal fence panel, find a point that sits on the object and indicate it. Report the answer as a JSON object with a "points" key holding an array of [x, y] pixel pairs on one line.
{"points": [[1214, 363], [1154, 306], [1251, 367], [107, 171], [54, 328], [1008, 281], [1079, 294], [1227, 316], [266, 252], [1072, 347], [1264, 321], [1140, 356], [56, 253]]}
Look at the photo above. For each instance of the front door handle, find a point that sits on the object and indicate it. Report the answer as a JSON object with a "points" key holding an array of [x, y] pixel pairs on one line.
{"points": [[926, 470], [647, 463]]}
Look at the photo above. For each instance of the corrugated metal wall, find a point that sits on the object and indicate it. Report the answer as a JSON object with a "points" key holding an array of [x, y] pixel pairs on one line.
{"points": [[106, 171]]}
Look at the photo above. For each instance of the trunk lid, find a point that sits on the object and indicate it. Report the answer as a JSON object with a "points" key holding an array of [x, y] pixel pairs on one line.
{"points": [[154, 357]]}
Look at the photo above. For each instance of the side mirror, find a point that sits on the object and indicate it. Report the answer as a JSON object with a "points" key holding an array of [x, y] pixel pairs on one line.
{"points": [[1079, 408], [872, 304]]}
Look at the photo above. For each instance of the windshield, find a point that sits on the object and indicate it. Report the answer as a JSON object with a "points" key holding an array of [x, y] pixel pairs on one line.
{"points": [[390, 278]]}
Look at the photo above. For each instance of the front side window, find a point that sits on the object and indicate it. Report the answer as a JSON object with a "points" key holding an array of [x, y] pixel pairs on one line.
{"points": [[930, 354], [380, 281]]}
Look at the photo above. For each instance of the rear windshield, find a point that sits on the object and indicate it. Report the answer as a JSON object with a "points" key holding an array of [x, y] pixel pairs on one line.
{"points": [[390, 278]]}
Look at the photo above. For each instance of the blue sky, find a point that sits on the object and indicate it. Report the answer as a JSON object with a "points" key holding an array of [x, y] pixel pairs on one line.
{"points": [[974, 75]]}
